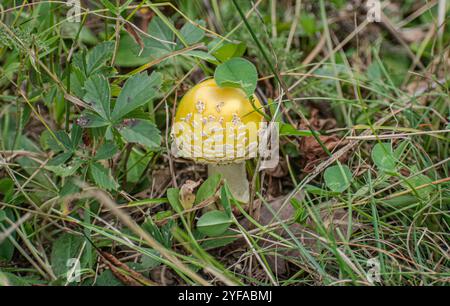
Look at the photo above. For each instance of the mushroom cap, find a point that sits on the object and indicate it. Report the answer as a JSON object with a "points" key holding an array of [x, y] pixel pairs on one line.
{"points": [[217, 124]]}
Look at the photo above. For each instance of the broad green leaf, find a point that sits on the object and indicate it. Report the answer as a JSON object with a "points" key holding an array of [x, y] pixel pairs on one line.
{"points": [[97, 56], [142, 132], [214, 223], [159, 43], [129, 55], [219, 241], [162, 40], [338, 178], [66, 249], [98, 95], [237, 72], [173, 196], [102, 176], [137, 91], [383, 157], [191, 33], [106, 151], [224, 51], [208, 188]]}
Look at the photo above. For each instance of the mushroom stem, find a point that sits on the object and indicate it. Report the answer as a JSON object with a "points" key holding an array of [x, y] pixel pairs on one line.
{"points": [[236, 177]]}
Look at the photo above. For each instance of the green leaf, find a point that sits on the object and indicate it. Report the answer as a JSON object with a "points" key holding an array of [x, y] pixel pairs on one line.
{"points": [[64, 139], [219, 241], [69, 188], [76, 135], [107, 278], [129, 53], [163, 34], [143, 132], [102, 176], [77, 80], [308, 24], [214, 223], [13, 280], [98, 95], [65, 249], [97, 56], [173, 196], [237, 72], [191, 33], [137, 91], [64, 170], [48, 141], [383, 157], [59, 159], [208, 188], [338, 178], [225, 199], [202, 55], [149, 262], [419, 180], [106, 151], [7, 189], [6, 246], [223, 51], [91, 120], [287, 129], [111, 7], [137, 164]]}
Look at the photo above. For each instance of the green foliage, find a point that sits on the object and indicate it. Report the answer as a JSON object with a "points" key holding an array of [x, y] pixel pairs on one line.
{"points": [[66, 249], [86, 107], [338, 178], [102, 176], [208, 188], [237, 72], [224, 51], [213, 223], [383, 157], [6, 246]]}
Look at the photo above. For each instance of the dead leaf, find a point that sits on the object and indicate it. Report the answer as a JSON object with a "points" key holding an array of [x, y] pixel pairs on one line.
{"points": [[281, 170], [411, 35], [187, 196], [124, 273], [311, 150]]}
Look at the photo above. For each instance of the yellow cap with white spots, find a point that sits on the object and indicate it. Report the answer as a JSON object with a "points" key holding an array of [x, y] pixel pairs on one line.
{"points": [[217, 124]]}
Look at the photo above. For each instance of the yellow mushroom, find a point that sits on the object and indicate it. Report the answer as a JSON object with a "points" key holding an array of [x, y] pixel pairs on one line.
{"points": [[219, 126]]}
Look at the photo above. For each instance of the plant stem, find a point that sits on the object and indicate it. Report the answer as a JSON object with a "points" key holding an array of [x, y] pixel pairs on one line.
{"points": [[236, 178]]}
